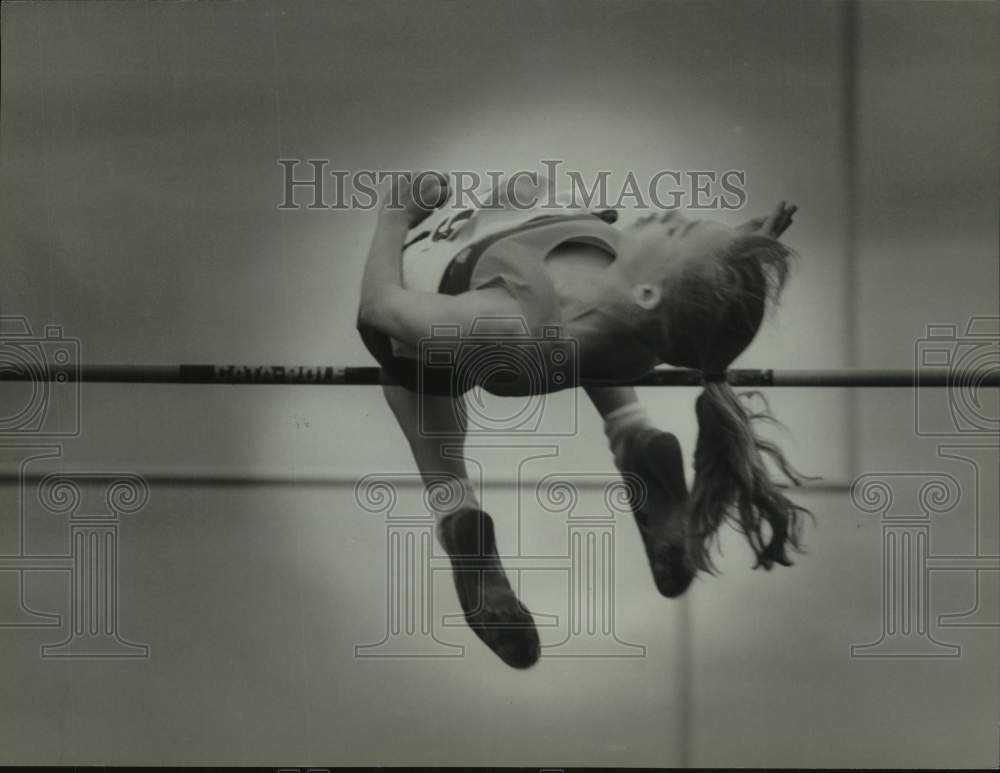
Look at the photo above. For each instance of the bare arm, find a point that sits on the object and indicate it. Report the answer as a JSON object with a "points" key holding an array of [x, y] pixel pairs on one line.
{"points": [[383, 267], [407, 315], [402, 207]]}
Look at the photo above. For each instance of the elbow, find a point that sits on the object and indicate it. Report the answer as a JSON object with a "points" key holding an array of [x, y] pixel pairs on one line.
{"points": [[368, 309], [364, 316], [374, 310], [370, 313]]}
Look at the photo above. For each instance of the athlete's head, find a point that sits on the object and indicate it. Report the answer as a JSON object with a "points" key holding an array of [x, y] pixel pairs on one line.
{"points": [[703, 286], [704, 289]]}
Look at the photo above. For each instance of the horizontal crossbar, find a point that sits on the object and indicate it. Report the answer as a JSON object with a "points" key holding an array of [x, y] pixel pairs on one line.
{"points": [[330, 375]]}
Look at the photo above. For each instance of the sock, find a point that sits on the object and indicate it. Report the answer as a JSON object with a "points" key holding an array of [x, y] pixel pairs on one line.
{"points": [[620, 424]]}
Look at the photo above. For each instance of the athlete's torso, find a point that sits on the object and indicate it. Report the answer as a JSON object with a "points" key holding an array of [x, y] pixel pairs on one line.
{"points": [[456, 250]]}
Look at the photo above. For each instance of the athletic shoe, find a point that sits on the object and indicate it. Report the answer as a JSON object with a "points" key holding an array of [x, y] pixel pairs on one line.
{"points": [[659, 505], [491, 607]]}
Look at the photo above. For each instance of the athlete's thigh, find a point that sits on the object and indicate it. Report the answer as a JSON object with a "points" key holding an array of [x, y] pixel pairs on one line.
{"points": [[434, 428]]}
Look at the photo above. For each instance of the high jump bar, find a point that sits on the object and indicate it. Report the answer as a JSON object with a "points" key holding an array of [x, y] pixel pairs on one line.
{"points": [[330, 375]]}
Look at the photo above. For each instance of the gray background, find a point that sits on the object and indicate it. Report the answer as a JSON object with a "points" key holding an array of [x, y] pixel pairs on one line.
{"points": [[139, 145]]}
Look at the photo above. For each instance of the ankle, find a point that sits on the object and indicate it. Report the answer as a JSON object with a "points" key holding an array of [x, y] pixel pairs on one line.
{"points": [[467, 532], [446, 493], [622, 424]]}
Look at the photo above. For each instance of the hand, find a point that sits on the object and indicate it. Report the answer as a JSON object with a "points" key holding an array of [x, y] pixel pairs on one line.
{"points": [[413, 197], [773, 225]]}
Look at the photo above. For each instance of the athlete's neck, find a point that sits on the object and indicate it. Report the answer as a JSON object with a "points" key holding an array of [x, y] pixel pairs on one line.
{"points": [[613, 333]]}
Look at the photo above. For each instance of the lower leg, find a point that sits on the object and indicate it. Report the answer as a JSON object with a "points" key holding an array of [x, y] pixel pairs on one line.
{"points": [[608, 398], [653, 462], [623, 414], [435, 429]]}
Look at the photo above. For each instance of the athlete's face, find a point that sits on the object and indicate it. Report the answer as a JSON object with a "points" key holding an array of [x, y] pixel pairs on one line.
{"points": [[658, 245]]}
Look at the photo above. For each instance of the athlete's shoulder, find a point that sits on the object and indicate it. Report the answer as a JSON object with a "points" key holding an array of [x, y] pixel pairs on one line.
{"points": [[514, 207]]}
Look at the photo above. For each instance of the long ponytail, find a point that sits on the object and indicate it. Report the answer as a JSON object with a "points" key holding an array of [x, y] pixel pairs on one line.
{"points": [[712, 312], [732, 482]]}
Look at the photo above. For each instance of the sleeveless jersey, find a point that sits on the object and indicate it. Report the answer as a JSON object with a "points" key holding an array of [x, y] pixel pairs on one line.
{"points": [[457, 250]]}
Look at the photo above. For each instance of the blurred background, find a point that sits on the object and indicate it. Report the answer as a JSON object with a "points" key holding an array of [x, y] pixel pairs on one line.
{"points": [[140, 192]]}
